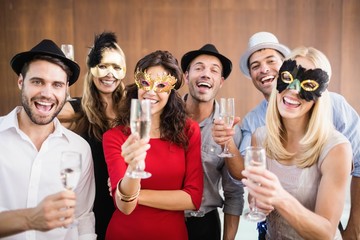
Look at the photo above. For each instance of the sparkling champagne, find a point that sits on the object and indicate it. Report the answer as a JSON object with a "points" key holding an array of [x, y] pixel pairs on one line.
{"points": [[228, 119], [141, 127], [70, 177]]}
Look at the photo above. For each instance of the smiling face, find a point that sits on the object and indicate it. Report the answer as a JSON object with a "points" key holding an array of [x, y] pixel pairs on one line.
{"points": [[263, 67], [290, 104], [43, 91], [309, 82], [159, 98], [204, 77], [108, 73]]}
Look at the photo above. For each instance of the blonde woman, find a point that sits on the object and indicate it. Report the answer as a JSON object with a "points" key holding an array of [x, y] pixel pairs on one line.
{"points": [[308, 161]]}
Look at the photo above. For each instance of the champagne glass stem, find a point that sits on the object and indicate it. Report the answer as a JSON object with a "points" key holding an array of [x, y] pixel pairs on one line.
{"points": [[226, 148]]}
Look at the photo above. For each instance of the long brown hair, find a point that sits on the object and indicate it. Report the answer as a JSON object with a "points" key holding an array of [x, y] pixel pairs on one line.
{"points": [[173, 118], [93, 120]]}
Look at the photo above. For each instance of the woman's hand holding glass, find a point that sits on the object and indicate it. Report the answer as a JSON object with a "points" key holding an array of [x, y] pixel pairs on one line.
{"points": [[255, 157], [140, 123], [264, 188], [134, 152]]}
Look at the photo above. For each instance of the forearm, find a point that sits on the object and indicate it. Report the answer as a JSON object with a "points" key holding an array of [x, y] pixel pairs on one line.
{"points": [[308, 224], [352, 230], [13, 222], [129, 188], [231, 223], [175, 200], [235, 164]]}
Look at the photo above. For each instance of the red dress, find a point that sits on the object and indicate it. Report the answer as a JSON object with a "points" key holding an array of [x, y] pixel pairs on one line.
{"points": [[172, 168]]}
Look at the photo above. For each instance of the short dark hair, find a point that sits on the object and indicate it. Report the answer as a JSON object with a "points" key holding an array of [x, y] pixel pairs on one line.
{"points": [[50, 59]]}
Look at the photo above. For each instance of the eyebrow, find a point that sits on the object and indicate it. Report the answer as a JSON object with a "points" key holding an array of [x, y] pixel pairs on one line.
{"points": [[213, 64], [270, 56]]}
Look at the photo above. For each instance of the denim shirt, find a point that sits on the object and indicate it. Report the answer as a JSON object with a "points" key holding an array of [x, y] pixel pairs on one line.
{"points": [[346, 120]]}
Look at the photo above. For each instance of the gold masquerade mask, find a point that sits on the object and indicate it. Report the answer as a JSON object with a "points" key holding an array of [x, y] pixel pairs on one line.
{"points": [[163, 83], [111, 62]]}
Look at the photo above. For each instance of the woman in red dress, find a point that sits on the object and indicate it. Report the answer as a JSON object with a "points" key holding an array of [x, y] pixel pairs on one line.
{"points": [[153, 208]]}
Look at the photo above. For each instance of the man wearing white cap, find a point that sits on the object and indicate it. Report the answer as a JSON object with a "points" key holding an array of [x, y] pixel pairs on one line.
{"points": [[261, 62]]}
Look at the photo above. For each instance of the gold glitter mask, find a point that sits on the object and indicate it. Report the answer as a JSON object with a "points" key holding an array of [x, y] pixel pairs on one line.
{"points": [[111, 62], [163, 83]]}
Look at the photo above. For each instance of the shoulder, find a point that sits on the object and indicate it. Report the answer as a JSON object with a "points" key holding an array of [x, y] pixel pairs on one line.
{"points": [[336, 140], [338, 100], [75, 139], [118, 130], [259, 135], [190, 123], [258, 112], [336, 97], [192, 128], [336, 156]]}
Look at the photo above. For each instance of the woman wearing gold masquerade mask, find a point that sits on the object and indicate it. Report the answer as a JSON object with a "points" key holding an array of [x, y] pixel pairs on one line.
{"points": [[153, 208], [103, 91]]}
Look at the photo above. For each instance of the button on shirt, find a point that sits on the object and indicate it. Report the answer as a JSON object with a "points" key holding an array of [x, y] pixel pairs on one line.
{"points": [[216, 175], [27, 176], [345, 119]]}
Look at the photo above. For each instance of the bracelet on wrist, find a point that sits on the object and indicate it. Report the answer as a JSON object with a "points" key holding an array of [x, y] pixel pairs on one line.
{"points": [[126, 198]]}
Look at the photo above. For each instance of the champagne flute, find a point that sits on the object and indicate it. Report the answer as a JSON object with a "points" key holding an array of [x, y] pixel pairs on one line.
{"points": [[70, 171], [68, 50], [256, 157], [227, 113], [140, 122]]}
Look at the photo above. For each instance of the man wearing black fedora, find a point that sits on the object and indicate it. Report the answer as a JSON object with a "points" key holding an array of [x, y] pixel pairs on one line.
{"points": [[205, 73], [33, 201]]}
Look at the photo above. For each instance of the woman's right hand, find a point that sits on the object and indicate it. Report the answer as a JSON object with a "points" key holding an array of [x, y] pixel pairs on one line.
{"points": [[134, 151]]}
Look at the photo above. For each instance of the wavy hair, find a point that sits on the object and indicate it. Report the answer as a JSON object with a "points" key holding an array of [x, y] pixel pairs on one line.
{"points": [[173, 118], [94, 120], [318, 127]]}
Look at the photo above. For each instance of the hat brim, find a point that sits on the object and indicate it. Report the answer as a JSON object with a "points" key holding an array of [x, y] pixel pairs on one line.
{"points": [[245, 57], [188, 57], [18, 61]]}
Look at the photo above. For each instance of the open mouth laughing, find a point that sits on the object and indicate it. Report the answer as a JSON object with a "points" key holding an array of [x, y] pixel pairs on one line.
{"points": [[44, 107], [108, 82], [291, 102], [204, 86], [267, 79]]}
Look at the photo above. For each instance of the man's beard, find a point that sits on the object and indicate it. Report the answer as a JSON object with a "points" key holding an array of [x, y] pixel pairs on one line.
{"points": [[40, 120]]}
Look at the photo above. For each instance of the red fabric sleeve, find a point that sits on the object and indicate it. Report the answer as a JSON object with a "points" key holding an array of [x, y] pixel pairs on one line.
{"points": [[193, 183], [112, 141]]}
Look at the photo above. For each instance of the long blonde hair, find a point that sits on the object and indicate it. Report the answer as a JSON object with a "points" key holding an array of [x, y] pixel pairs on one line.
{"points": [[318, 127]]}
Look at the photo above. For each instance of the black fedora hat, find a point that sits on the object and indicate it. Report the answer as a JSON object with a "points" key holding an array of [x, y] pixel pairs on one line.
{"points": [[207, 49], [48, 48]]}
